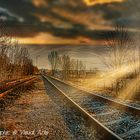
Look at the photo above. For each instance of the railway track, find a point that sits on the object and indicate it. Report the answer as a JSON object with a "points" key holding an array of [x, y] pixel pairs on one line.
{"points": [[120, 120], [77, 118], [9, 87]]}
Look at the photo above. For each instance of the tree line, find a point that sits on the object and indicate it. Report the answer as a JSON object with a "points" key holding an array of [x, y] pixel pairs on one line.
{"points": [[15, 60], [66, 66]]}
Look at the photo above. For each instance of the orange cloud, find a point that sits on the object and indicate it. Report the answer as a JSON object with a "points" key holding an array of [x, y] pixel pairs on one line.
{"points": [[82, 17], [94, 2], [39, 3], [54, 21], [44, 38]]}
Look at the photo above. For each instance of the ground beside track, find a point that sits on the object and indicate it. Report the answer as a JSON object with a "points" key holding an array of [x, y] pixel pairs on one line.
{"points": [[33, 116]]}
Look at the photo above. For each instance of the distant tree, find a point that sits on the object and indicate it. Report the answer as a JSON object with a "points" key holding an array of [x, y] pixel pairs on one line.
{"points": [[53, 59], [71, 67], [64, 65]]}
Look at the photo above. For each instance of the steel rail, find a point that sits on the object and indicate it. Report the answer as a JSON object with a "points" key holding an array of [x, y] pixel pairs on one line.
{"points": [[121, 106], [108, 134]]}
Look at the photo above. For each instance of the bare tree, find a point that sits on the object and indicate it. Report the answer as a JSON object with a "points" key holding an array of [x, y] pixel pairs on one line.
{"points": [[117, 43], [5, 42], [53, 59], [71, 68], [14, 60], [64, 64], [81, 68]]}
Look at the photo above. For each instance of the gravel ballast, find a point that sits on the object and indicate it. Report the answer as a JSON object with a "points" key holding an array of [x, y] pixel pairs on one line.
{"points": [[33, 116]]}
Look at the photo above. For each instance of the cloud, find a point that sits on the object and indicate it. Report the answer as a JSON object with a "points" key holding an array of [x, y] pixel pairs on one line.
{"points": [[5, 15], [94, 2], [66, 19]]}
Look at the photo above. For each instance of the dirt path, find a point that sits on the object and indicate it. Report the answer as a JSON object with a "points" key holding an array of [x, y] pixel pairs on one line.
{"points": [[33, 116]]}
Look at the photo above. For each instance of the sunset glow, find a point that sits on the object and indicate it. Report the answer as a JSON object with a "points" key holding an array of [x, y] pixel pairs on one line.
{"points": [[39, 2], [94, 2], [130, 90], [109, 77], [43, 38]]}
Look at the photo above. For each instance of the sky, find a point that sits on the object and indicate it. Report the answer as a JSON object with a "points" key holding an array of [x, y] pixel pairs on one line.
{"points": [[64, 24]]}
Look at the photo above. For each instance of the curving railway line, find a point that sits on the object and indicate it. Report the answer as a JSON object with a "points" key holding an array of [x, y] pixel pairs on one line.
{"points": [[113, 119]]}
